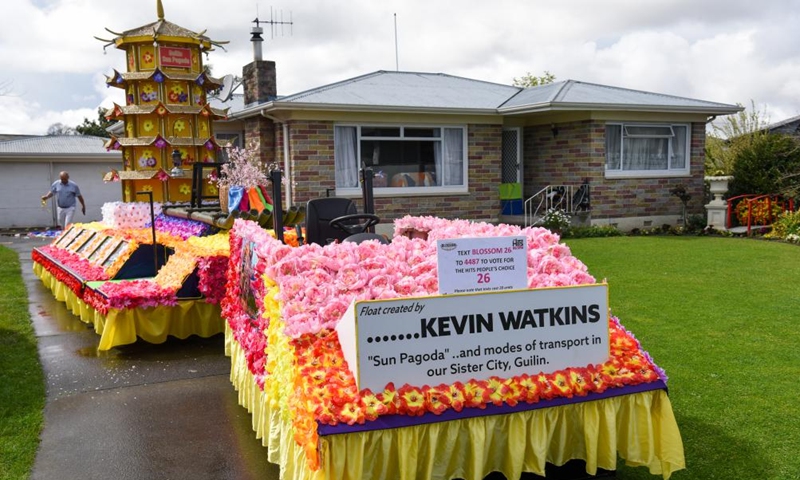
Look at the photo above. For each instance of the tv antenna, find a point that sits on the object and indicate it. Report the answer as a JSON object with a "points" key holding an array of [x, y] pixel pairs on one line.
{"points": [[273, 23]]}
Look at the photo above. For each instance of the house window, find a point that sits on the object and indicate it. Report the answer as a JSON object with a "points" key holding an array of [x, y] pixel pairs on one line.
{"points": [[647, 149], [405, 159]]}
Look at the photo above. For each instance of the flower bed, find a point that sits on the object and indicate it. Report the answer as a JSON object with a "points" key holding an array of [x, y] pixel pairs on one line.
{"points": [[283, 303]]}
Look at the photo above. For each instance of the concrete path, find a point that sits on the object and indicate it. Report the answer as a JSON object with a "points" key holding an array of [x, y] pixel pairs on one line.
{"points": [[138, 411]]}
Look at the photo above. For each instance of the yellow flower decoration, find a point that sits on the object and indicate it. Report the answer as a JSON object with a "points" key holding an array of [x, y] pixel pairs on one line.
{"points": [[179, 126], [147, 188], [129, 129], [147, 89], [185, 189], [147, 125], [177, 89], [212, 190]]}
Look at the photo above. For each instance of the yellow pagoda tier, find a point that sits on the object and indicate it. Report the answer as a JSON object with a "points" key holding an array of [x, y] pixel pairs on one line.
{"points": [[168, 120]]}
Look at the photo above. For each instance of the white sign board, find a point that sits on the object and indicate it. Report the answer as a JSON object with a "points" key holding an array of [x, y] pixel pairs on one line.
{"points": [[434, 340], [489, 264]]}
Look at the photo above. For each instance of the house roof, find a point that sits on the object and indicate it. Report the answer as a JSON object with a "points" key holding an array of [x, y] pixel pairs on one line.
{"points": [[788, 126], [408, 89], [442, 93], [575, 95], [85, 145]]}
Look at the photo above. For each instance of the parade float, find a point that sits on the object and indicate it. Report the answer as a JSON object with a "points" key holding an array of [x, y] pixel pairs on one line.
{"points": [[486, 387], [131, 279]]}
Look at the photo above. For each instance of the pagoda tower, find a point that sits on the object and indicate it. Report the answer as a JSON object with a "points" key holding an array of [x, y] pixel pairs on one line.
{"points": [[168, 120]]}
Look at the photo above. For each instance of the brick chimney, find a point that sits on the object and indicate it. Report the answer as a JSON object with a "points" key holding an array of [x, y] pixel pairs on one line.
{"points": [[260, 86], [260, 82]]}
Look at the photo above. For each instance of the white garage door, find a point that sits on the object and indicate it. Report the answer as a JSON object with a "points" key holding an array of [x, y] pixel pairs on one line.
{"points": [[23, 184]]}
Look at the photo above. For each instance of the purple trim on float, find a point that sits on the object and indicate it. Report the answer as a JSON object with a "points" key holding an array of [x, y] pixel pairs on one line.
{"points": [[397, 421]]}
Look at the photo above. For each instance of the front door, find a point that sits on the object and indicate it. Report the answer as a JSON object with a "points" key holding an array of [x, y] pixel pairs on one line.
{"points": [[512, 156]]}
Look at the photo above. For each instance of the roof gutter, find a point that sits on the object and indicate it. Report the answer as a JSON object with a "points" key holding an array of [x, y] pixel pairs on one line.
{"points": [[274, 107], [562, 107]]}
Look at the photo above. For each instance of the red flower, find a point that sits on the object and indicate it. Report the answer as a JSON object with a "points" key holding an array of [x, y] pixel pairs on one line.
{"points": [[455, 396], [413, 400], [435, 400]]}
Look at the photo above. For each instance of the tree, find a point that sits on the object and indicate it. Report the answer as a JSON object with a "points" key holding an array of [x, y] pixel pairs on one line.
{"points": [[529, 80], [60, 129], [95, 127], [767, 164], [730, 136]]}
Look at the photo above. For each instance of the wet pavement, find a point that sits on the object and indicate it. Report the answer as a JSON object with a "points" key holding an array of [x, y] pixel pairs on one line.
{"points": [[138, 411]]}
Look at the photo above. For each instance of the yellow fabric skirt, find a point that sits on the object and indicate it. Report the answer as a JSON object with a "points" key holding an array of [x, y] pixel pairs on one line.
{"points": [[640, 428], [153, 325]]}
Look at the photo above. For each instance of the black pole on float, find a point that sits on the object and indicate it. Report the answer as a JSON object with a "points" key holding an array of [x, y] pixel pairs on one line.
{"points": [[367, 194], [153, 225], [277, 204]]}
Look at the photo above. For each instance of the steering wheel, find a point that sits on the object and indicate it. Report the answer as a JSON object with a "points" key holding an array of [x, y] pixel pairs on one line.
{"points": [[345, 222]]}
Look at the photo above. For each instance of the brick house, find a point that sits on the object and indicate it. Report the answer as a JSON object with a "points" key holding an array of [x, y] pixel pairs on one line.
{"points": [[442, 145]]}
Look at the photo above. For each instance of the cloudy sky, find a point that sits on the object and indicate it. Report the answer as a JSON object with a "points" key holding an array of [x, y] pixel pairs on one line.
{"points": [[731, 51]]}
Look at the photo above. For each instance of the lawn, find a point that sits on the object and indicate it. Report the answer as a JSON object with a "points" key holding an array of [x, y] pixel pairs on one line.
{"points": [[720, 316], [21, 380]]}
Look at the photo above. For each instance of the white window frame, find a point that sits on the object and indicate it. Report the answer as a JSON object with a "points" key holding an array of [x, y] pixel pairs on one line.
{"points": [[670, 172], [407, 191]]}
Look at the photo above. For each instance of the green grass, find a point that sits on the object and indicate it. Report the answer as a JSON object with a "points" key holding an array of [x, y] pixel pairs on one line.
{"points": [[720, 315], [21, 379]]}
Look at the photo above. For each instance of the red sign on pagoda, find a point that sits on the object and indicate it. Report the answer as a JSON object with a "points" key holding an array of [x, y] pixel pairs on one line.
{"points": [[175, 57]]}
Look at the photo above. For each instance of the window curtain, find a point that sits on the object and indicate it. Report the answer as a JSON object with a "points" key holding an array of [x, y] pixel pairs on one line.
{"points": [[679, 147], [613, 146], [453, 157], [344, 154], [645, 154], [437, 162]]}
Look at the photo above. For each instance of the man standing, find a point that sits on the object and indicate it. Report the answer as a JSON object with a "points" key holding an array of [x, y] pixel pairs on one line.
{"points": [[66, 191]]}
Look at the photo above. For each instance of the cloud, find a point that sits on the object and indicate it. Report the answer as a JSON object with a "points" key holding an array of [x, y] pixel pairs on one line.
{"points": [[726, 51]]}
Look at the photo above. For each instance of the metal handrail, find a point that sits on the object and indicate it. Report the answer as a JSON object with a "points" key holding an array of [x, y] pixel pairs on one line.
{"points": [[551, 196]]}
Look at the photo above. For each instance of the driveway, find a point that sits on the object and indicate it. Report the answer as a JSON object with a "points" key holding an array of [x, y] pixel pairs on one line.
{"points": [[139, 411]]}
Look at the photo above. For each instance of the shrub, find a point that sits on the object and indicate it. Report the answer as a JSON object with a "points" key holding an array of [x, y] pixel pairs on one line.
{"points": [[555, 220], [763, 166], [787, 225], [592, 231]]}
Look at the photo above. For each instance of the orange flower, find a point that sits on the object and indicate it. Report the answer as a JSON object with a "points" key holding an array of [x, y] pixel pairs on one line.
{"points": [[546, 390], [560, 384], [496, 390], [373, 407], [390, 399], [476, 393], [413, 400], [529, 389], [513, 391], [435, 400], [455, 396], [351, 413], [579, 382]]}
